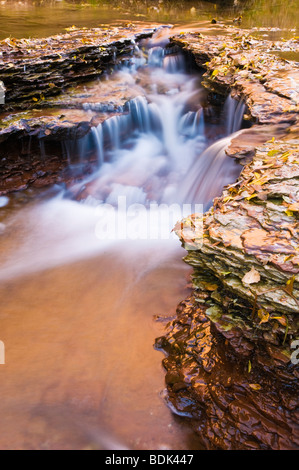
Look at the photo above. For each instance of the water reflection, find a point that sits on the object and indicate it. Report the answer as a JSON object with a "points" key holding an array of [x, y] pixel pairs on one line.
{"points": [[40, 19]]}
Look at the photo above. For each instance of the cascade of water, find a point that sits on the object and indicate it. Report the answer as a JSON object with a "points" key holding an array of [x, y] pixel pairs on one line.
{"points": [[233, 114], [156, 149], [192, 124], [174, 63], [156, 56], [97, 133], [140, 114], [114, 128], [201, 184], [153, 154]]}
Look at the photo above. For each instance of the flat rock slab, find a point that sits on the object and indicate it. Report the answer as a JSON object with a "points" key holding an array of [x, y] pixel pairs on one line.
{"points": [[33, 69], [66, 108], [251, 69]]}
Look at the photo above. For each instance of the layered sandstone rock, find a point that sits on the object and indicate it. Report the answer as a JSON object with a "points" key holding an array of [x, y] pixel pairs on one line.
{"points": [[230, 351]]}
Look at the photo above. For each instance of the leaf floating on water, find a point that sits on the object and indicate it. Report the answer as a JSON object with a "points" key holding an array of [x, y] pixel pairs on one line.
{"points": [[252, 277]]}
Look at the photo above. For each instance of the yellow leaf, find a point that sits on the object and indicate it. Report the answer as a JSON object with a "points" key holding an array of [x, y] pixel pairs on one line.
{"points": [[227, 198], [281, 320], [263, 315], [215, 72], [272, 153], [290, 285], [208, 286], [284, 157], [255, 387], [289, 213], [251, 197]]}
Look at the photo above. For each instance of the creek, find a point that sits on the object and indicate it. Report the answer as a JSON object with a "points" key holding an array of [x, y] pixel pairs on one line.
{"points": [[84, 269]]}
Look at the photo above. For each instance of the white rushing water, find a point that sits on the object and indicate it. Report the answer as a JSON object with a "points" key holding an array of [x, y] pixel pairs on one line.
{"points": [[158, 151]]}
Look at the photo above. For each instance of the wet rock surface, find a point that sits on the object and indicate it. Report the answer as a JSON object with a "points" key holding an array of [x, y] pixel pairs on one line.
{"points": [[252, 69], [254, 224], [230, 349], [34, 69], [50, 98], [44, 78], [227, 375]]}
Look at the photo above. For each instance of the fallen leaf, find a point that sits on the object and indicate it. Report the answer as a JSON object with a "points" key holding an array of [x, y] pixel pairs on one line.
{"points": [[294, 207], [290, 285], [255, 386], [209, 286], [251, 277], [263, 315]]}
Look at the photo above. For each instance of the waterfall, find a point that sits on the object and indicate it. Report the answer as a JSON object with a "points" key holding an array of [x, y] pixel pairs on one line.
{"points": [[146, 168], [156, 56], [140, 114], [174, 63], [157, 148], [97, 133], [233, 114], [192, 123], [201, 184]]}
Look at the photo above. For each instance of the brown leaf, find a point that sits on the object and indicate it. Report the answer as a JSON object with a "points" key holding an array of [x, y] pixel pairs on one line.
{"points": [[251, 277]]}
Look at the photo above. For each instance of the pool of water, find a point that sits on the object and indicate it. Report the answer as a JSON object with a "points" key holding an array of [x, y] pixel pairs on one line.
{"points": [[40, 19]]}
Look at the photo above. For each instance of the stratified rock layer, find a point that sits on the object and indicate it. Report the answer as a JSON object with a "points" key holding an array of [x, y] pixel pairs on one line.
{"points": [[50, 98], [34, 69], [231, 356], [251, 69], [238, 389]]}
